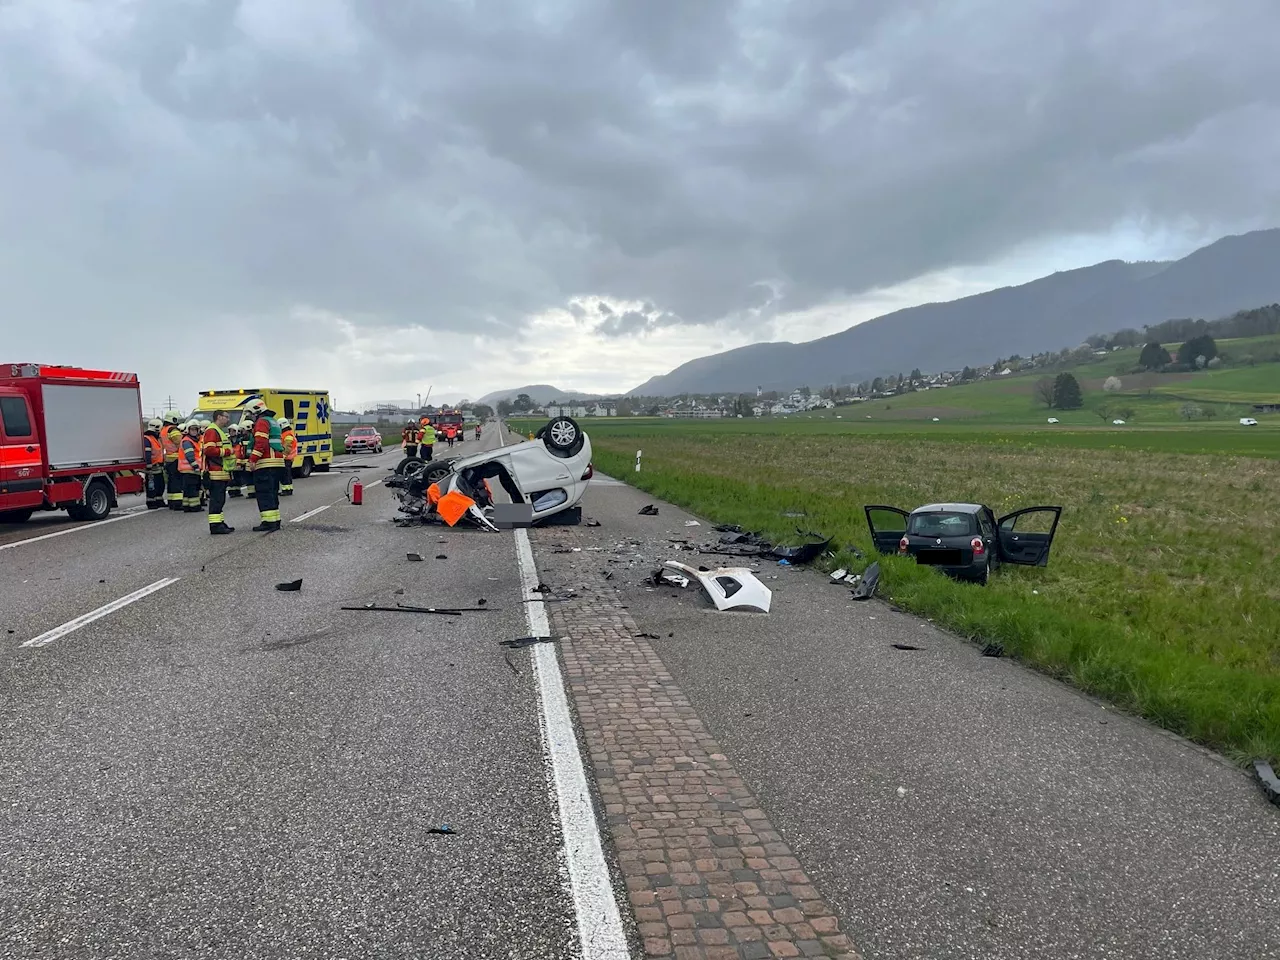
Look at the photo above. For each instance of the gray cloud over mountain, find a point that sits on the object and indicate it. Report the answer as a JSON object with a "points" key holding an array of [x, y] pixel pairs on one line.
{"points": [[463, 165]]}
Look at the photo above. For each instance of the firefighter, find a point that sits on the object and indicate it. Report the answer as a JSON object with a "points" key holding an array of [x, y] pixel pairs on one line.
{"points": [[189, 466], [219, 459], [155, 463], [290, 441], [266, 461], [426, 439], [234, 469], [170, 438], [409, 438]]}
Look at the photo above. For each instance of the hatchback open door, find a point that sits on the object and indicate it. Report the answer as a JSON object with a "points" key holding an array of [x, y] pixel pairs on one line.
{"points": [[1025, 536], [888, 526]]}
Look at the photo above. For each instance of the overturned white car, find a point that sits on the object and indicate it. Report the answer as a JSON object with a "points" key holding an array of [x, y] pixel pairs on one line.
{"points": [[549, 473]]}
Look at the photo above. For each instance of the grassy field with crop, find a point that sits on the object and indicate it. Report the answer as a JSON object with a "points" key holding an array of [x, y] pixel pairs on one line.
{"points": [[1163, 589]]}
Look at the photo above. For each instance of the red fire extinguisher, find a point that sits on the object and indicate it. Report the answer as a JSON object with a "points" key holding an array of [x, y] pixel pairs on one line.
{"points": [[355, 491]]}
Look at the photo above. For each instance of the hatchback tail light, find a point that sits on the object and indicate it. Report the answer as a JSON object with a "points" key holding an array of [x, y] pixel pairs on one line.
{"points": [[591, 472], [979, 548], [902, 545]]}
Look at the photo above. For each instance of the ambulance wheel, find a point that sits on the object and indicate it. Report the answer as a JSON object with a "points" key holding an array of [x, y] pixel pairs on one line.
{"points": [[304, 471], [15, 516]]}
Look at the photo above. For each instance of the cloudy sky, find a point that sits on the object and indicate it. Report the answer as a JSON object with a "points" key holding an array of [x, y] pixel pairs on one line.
{"points": [[378, 195]]}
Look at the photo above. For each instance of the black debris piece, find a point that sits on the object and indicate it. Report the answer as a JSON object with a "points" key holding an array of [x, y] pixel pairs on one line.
{"points": [[481, 602], [649, 511], [608, 574], [647, 636], [412, 609], [727, 528], [1267, 780], [291, 586], [993, 650], [866, 588], [403, 609], [413, 556], [805, 552], [399, 591], [542, 588], [441, 556], [521, 642], [905, 646], [507, 657], [444, 829]]}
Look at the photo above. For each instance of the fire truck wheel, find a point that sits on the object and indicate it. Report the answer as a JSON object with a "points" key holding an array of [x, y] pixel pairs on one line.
{"points": [[15, 516], [97, 503]]}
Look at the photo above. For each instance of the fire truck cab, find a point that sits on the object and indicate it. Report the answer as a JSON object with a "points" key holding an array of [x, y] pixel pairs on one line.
{"points": [[70, 439]]}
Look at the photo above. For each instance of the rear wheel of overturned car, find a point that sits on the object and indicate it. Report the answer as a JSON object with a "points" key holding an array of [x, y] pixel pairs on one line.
{"points": [[435, 472], [562, 435]]}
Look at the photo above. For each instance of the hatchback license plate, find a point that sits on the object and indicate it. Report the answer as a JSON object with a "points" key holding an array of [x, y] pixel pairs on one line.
{"points": [[941, 558]]}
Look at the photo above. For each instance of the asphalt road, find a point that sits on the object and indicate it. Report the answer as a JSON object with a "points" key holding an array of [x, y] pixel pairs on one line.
{"points": [[220, 769], [949, 805]]}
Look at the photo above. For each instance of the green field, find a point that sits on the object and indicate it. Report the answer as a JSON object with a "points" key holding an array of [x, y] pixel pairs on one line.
{"points": [[1163, 590]]}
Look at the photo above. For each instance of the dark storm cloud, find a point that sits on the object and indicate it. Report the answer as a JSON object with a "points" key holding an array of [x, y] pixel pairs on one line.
{"points": [[461, 165]]}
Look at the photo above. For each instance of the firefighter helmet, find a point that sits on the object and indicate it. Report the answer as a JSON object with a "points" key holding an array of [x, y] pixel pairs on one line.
{"points": [[284, 423], [193, 425], [172, 417], [155, 423], [255, 407]]}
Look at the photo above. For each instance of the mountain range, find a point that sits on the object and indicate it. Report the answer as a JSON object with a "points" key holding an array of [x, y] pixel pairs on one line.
{"points": [[539, 393], [1060, 310]]}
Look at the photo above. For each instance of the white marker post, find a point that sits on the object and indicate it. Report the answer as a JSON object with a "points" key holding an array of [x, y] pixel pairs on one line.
{"points": [[637, 461]]}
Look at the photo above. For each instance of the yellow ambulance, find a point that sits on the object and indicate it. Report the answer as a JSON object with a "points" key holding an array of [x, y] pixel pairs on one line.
{"points": [[307, 410]]}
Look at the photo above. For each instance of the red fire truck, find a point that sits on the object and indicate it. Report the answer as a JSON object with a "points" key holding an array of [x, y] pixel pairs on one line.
{"points": [[70, 439]]}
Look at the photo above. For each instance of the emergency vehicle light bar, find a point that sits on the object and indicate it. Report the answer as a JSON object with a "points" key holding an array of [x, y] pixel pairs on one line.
{"points": [[69, 373]]}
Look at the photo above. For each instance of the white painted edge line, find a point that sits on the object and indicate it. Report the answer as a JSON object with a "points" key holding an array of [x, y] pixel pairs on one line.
{"points": [[311, 513], [373, 483], [599, 922], [88, 526], [86, 618]]}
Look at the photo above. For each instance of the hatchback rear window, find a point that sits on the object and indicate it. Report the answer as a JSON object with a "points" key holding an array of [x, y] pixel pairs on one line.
{"points": [[942, 525]]}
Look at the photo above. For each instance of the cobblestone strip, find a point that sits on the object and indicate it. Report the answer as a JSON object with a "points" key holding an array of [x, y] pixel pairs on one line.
{"points": [[708, 876]]}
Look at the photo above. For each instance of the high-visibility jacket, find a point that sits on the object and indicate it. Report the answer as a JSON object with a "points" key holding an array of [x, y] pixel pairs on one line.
{"points": [[240, 451], [289, 440], [268, 447], [218, 453], [189, 454], [409, 435], [171, 437], [155, 451]]}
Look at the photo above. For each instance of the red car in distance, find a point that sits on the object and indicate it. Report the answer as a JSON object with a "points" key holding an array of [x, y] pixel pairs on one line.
{"points": [[364, 440]]}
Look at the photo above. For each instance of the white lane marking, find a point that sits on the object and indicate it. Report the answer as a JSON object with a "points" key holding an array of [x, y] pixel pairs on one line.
{"points": [[86, 618], [311, 513], [599, 923], [373, 484], [88, 526]]}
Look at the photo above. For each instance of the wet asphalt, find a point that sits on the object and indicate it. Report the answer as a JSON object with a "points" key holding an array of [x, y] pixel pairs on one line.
{"points": [[950, 806], [221, 769]]}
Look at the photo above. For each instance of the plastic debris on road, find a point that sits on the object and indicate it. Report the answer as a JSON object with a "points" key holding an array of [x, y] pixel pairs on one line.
{"points": [[729, 588], [290, 587]]}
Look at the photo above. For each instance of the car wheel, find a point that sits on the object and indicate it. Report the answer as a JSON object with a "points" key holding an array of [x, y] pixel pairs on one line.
{"points": [[435, 472], [986, 572], [562, 435], [402, 468]]}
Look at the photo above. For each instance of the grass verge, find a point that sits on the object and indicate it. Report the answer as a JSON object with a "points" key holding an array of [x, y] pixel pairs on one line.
{"points": [[1161, 595]]}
